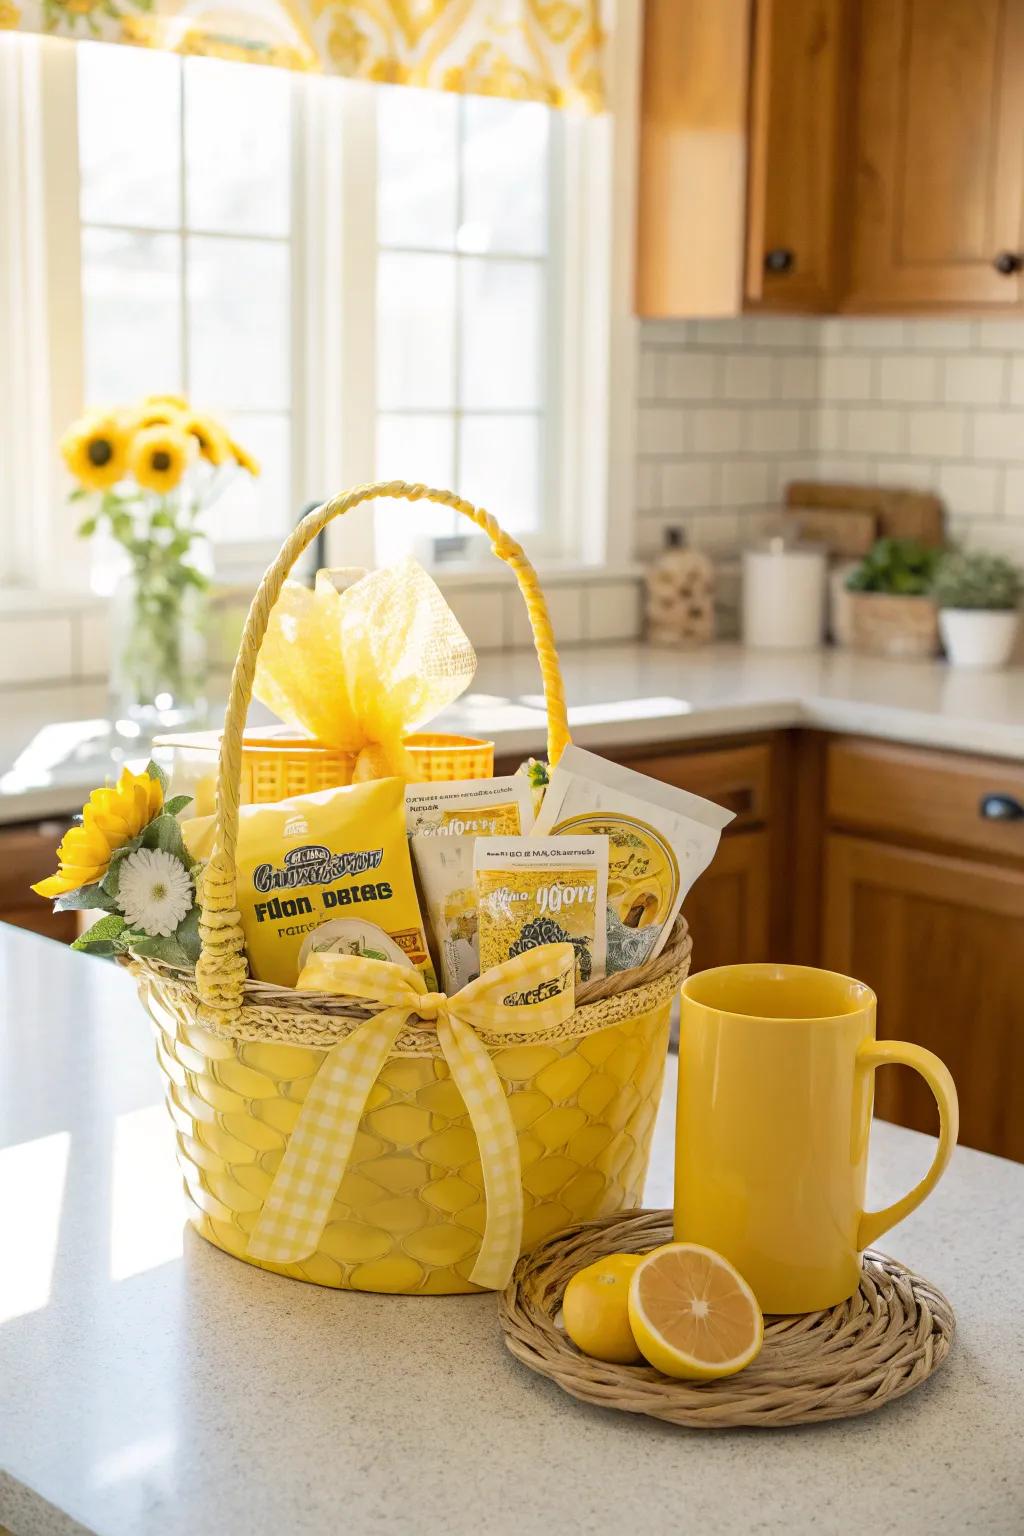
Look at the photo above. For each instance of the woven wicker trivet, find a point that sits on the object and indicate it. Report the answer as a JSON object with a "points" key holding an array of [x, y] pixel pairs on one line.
{"points": [[880, 1344]]}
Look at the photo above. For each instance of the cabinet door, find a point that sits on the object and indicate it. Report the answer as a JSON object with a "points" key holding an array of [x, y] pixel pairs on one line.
{"points": [[939, 154], [727, 910], [797, 99], [939, 940]]}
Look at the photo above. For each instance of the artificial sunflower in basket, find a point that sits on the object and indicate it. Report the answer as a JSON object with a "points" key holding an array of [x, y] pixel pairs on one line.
{"points": [[126, 857]]}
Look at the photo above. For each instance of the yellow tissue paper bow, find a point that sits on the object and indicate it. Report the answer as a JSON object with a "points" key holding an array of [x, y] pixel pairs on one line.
{"points": [[361, 669], [532, 992]]}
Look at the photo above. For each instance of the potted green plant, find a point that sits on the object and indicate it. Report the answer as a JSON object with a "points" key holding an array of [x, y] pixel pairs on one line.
{"points": [[979, 614], [891, 609]]}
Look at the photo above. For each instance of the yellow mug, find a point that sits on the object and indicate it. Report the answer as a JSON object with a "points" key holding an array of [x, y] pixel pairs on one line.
{"points": [[776, 1082]]}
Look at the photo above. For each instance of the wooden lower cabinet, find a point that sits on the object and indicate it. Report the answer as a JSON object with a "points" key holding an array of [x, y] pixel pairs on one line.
{"points": [[940, 940], [728, 908], [28, 854]]}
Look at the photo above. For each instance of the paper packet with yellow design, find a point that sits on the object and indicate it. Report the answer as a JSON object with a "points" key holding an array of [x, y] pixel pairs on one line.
{"points": [[324, 872], [550, 890], [661, 839], [444, 822], [362, 661]]}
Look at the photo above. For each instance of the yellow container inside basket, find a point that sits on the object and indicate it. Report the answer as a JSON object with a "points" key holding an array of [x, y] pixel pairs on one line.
{"points": [[277, 764]]}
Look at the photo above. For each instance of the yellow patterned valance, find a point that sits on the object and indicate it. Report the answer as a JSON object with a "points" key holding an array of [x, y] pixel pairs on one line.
{"points": [[535, 50]]}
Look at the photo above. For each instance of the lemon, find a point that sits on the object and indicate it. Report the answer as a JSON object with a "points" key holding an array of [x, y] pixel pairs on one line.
{"points": [[692, 1314], [595, 1309]]}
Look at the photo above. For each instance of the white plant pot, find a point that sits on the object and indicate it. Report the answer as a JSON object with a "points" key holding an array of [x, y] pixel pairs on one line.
{"points": [[976, 637]]}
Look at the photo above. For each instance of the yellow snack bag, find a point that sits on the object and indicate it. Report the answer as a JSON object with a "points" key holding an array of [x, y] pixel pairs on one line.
{"points": [[328, 871], [550, 890]]}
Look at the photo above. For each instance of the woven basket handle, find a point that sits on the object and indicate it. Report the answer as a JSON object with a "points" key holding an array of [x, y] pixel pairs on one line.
{"points": [[222, 968]]}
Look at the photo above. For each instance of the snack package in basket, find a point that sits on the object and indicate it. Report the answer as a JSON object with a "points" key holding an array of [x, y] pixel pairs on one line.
{"points": [[550, 890], [328, 871], [661, 839], [360, 669], [444, 821]]}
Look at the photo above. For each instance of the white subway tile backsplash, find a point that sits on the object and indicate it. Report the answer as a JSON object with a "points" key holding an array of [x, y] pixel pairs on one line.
{"points": [[692, 375], [909, 376], [715, 429], [799, 376], [937, 434], [750, 376], [846, 377], [649, 377], [934, 335], [999, 435], [975, 380], [483, 614], [999, 335], [648, 485], [33, 650], [1013, 496], [743, 482], [565, 609], [776, 429], [875, 429], [612, 610], [660, 430], [1016, 381], [970, 490], [688, 484]]}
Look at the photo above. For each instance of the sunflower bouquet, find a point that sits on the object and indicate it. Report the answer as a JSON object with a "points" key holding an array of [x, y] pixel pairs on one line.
{"points": [[150, 472], [126, 857]]}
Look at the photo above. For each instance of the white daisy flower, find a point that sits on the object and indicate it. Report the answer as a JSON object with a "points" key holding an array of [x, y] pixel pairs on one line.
{"points": [[154, 891]]}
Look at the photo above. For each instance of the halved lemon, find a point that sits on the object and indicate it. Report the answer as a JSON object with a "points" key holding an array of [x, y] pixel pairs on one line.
{"points": [[692, 1314], [595, 1309]]}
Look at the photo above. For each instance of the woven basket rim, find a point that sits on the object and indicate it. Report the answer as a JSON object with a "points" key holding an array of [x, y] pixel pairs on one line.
{"points": [[284, 1015]]}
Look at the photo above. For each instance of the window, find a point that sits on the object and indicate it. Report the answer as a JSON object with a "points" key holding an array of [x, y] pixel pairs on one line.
{"points": [[363, 281], [466, 282], [185, 200]]}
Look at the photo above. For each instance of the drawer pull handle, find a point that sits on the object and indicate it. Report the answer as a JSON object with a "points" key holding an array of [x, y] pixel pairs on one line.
{"points": [[1001, 808]]}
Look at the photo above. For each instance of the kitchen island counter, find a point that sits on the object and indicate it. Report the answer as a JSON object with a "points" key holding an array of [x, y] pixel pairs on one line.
{"points": [[154, 1385]]}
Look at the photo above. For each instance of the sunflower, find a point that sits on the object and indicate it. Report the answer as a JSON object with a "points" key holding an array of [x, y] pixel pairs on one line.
{"points": [[243, 458], [177, 402], [156, 413], [160, 456], [211, 437], [96, 451], [110, 818]]}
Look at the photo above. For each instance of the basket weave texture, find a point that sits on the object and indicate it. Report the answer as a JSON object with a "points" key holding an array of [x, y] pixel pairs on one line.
{"points": [[239, 1056], [849, 1360]]}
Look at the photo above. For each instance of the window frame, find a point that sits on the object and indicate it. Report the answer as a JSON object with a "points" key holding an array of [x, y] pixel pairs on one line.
{"points": [[333, 333]]}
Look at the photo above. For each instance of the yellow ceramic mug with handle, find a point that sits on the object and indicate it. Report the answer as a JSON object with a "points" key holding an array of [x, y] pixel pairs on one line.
{"points": [[776, 1081]]}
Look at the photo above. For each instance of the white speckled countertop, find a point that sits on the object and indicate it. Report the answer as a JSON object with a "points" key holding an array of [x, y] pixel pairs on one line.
{"points": [[619, 695], [152, 1386]]}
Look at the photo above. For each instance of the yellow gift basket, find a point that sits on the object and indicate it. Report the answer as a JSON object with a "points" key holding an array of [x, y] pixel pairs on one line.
{"points": [[391, 1139]]}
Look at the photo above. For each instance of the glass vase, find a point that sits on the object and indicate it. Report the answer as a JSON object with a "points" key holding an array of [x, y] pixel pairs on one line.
{"points": [[159, 634]]}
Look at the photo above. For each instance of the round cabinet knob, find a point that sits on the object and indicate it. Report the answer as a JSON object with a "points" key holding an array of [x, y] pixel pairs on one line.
{"points": [[1001, 808], [1008, 262], [779, 260]]}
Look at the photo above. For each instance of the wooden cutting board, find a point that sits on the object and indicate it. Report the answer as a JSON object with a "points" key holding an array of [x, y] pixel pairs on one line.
{"points": [[846, 531], [900, 514]]}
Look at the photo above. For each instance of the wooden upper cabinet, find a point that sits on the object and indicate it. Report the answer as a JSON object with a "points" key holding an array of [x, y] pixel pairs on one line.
{"points": [[798, 99], [739, 127], [938, 155]]}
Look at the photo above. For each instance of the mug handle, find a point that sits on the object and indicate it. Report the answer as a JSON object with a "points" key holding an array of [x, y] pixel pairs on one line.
{"points": [[877, 1053]]}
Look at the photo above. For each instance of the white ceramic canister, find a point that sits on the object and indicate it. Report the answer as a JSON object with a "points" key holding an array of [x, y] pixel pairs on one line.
{"points": [[783, 595]]}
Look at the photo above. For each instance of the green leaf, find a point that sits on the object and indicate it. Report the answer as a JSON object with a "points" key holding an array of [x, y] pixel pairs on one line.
{"points": [[160, 948], [165, 832], [176, 804], [187, 935], [156, 772], [103, 949], [79, 493], [112, 879], [86, 528], [107, 928], [88, 898]]}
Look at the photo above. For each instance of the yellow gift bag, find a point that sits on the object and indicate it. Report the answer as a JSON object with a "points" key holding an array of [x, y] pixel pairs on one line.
{"points": [[364, 1132]]}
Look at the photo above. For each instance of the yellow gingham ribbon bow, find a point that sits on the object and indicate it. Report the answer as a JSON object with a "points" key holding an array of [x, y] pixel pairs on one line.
{"points": [[533, 991]]}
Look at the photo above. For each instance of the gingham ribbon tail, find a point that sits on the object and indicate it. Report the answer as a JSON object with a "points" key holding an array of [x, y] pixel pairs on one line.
{"points": [[532, 992]]}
